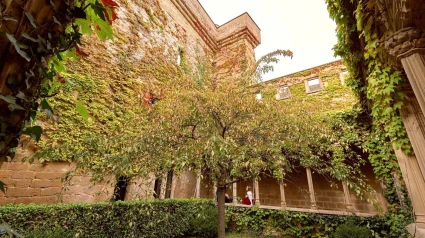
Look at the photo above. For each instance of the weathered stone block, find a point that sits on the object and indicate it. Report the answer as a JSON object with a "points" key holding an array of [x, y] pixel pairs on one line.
{"points": [[50, 191], [40, 183], [23, 192], [17, 166], [23, 175], [49, 175], [22, 183], [5, 174]]}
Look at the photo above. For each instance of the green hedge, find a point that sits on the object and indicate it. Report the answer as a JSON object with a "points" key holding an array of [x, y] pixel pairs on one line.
{"points": [[185, 218], [153, 218], [279, 223]]}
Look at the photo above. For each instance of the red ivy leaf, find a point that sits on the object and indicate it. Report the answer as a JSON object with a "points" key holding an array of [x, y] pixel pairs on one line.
{"points": [[148, 98], [110, 19], [109, 3], [78, 51], [60, 79]]}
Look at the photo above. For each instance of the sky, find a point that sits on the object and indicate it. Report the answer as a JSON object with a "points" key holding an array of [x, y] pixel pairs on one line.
{"points": [[302, 26]]}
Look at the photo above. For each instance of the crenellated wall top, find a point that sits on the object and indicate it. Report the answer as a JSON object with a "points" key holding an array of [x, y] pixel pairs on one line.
{"points": [[215, 35]]}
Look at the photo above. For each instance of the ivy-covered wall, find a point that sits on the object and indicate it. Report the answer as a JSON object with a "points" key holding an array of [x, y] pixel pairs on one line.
{"points": [[334, 97], [107, 89]]}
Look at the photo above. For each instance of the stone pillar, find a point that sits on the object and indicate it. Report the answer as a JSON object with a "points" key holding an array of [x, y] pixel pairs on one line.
{"points": [[311, 189], [414, 66], [282, 195], [198, 187], [163, 188], [215, 191], [173, 186], [414, 122], [415, 184], [256, 192], [347, 199], [408, 46], [235, 193]]}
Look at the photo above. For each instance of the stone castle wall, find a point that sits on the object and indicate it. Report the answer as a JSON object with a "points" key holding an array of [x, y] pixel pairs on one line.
{"points": [[181, 25], [148, 35]]}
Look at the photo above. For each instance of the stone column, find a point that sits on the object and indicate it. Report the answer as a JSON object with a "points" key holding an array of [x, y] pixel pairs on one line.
{"points": [[311, 189], [235, 193], [215, 191], [347, 199], [163, 188], [408, 46], [198, 187], [256, 192], [282, 195], [173, 186], [415, 184]]}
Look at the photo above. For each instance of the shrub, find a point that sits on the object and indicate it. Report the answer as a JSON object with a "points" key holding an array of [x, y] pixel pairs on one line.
{"points": [[186, 218], [55, 233], [151, 218], [303, 224], [349, 230], [205, 223]]}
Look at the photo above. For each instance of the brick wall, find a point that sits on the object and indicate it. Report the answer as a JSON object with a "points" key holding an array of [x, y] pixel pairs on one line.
{"points": [[188, 27], [41, 183]]}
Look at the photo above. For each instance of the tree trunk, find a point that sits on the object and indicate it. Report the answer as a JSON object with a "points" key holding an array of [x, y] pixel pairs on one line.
{"points": [[221, 210], [20, 78]]}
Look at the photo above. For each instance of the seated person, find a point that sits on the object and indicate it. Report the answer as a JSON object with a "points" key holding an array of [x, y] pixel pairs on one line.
{"points": [[246, 201], [228, 199]]}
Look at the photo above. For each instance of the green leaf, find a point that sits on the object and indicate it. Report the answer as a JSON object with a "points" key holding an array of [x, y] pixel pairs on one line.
{"points": [[27, 36], [48, 109], [82, 110], [98, 10], [56, 21], [9, 99], [35, 132], [105, 30], [31, 19], [85, 26], [22, 96], [17, 47], [45, 105], [10, 19]]}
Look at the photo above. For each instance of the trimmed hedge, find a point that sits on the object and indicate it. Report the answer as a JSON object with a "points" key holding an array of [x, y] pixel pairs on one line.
{"points": [[280, 223], [152, 218], [185, 218]]}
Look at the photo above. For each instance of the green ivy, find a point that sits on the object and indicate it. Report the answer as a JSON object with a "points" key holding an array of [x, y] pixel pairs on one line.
{"points": [[264, 222], [186, 218], [377, 84], [155, 218]]}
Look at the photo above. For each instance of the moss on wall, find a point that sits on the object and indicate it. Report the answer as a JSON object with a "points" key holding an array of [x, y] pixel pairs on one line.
{"points": [[333, 97], [113, 81]]}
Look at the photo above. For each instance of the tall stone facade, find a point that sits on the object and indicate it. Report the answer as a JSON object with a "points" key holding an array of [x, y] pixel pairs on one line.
{"points": [[151, 37], [158, 33]]}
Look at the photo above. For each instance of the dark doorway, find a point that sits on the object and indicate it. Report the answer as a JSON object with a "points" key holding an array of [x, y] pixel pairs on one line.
{"points": [[120, 188], [157, 188]]}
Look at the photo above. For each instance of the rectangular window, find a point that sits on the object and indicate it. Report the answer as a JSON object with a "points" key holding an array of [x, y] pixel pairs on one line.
{"points": [[343, 75], [283, 92], [313, 85], [259, 96]]}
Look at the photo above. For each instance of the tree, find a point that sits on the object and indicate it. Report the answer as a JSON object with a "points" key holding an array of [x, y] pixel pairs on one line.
{"points": [[218, 129], [35, 36]]}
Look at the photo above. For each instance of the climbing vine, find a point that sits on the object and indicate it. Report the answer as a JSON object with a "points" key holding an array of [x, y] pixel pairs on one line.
{"points": [[375, 81], [38, 36]]}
